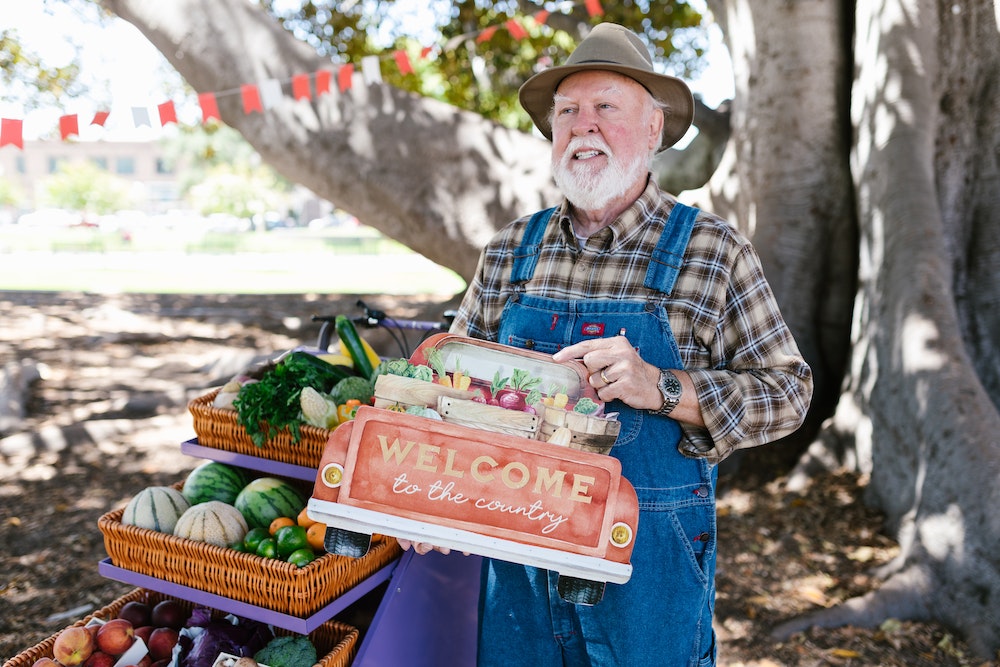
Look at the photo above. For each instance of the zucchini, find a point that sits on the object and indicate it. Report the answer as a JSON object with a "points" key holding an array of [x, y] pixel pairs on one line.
{"points": [[329, 372], [355, 349]]}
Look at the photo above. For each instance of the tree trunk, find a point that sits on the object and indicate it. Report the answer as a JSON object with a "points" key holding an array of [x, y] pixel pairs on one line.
{"points": [[915, 411]]}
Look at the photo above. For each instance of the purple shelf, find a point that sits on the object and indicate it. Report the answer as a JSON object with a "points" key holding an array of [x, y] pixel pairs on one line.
{"points": [[278, 468], [303, 626]]}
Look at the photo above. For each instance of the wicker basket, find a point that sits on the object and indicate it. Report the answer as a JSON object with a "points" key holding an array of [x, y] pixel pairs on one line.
{"points": [[218, 428], [335, 642], [265, 582]]}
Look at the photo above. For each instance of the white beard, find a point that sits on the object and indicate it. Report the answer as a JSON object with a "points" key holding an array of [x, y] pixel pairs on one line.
{"points": [[590, 189]]}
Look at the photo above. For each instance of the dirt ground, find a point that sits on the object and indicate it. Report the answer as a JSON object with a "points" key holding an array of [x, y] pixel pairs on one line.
{"points": [[109, 413]]}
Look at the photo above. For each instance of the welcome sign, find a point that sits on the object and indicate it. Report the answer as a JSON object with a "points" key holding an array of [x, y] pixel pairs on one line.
{"points": [[478, 491]]}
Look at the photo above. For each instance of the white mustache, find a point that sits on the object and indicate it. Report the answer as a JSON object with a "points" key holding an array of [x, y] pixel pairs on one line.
{"points": [[577, 144]]}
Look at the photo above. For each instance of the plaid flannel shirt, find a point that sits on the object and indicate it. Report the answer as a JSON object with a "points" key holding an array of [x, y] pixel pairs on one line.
{"points": [[752, 383]]}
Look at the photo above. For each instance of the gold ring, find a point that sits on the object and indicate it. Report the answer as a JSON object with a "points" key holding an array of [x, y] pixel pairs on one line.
{"points": [[605, 377]]}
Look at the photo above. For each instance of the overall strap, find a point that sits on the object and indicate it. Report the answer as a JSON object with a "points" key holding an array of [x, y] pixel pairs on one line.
{"points": [[526, 254], [665, 262]]}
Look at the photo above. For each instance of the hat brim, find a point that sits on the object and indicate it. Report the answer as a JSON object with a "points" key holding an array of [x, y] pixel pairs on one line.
{"points": [[537, 93]]}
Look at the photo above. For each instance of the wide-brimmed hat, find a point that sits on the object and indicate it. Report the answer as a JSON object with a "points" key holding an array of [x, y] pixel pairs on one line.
{"points": [[614, 48]]}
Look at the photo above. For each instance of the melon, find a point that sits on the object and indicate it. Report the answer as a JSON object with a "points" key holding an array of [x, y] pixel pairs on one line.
{"points": [[156, 508], [214, 522], [213, 480], [265, 499]]}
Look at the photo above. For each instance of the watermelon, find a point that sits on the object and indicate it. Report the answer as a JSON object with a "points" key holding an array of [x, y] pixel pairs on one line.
{"points": [[214, 481], [267, 498], [155, 508]]}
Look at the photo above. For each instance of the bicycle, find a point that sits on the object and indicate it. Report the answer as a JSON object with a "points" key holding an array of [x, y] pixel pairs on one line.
{"points": [[372, 318]]}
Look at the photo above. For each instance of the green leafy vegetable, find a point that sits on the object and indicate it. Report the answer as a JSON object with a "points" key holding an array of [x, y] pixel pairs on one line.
{"points": [[586, 406], [271, 405]]}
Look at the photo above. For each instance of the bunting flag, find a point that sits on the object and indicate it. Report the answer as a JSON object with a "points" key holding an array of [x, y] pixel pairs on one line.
{"points": [[168, 114], [344, 77], [250, 94], [323, 78], [270, 93], [403, 62], [140, 117], [267, 94], [300, 87], [10, 132], [68, 126], [209, 107]]}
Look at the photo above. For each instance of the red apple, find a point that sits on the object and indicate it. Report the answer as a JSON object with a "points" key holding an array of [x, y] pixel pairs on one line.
{"points": [[136, 612], [161, 643], [169, 613], [73, 646], [115, 636], [100, 659]]}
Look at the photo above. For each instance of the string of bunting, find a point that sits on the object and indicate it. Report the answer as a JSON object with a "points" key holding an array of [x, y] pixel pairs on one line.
{"points": [[258, 97]]}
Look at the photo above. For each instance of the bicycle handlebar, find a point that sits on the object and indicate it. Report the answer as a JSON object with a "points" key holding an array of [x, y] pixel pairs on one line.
{"points": [[375, 319]]}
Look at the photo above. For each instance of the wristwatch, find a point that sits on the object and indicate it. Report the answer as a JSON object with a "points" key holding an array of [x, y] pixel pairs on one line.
{"points": [[670, 388]]}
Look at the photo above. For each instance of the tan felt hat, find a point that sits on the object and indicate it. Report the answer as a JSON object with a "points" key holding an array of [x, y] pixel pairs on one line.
{"points": [[613, 48]]}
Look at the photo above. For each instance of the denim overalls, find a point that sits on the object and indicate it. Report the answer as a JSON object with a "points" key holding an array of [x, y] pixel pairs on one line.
{"points": [[663, 615]]}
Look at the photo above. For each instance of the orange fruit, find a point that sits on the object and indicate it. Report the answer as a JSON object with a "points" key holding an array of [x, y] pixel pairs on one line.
{"points": [[280, 522], [316, 533], [303, 519]]}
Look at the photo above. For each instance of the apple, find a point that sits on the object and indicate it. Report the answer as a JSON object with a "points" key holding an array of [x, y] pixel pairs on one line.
{"points": [[136, 612], [115, 636], [73, 646], [161, 643], [168, 613], [100, 659], [45, 662]]}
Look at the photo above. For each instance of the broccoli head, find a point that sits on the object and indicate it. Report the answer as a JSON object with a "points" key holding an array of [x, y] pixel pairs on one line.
{"points": [[289, 651], [353, 387]]}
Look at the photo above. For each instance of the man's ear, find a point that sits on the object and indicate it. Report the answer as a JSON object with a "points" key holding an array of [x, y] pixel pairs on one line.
{"points": [[656, 121]]}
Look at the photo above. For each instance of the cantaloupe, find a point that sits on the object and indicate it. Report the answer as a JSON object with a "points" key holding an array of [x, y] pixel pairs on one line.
{"points": [[214, 522], [156, 508]]}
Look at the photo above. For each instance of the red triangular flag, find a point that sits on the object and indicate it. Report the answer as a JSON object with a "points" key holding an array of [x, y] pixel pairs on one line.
{"points": [[541, 17], [100, 118], [300, 87], [403, 62], [594, 8], [486, 34], [209, 107], [168, 114], [344, 75], [11, 132], [68, 126], [516, 30], [251, 99], [323, 78]]}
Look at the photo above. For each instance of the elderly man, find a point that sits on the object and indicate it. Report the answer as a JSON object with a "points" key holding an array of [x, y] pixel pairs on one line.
{"points": [[669, 310]]}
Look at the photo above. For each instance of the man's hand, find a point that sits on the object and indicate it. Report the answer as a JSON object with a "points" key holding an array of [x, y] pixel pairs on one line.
{"points": [[617, 372], [423, 547]]}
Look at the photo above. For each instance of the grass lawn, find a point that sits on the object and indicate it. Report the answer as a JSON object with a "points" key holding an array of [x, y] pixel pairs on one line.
{"points": [[284, 262]]}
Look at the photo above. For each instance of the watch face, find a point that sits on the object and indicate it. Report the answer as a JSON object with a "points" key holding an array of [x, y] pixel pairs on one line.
{"points": [[670, 386]]}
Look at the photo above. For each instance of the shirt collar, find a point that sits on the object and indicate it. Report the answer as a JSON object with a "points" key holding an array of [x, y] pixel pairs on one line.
{"points": [[630, 222]]}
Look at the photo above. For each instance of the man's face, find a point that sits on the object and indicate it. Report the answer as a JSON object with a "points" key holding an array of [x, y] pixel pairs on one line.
{"points": [[605, 130]]}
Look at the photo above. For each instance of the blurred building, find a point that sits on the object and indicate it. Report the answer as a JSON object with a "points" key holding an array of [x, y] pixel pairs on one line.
{"points": [[141, 163]]}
